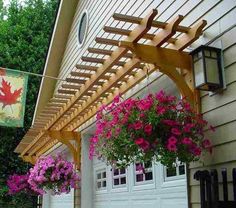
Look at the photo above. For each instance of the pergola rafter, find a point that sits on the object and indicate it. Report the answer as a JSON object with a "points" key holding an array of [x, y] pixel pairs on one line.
{"points": [[95, 81]]}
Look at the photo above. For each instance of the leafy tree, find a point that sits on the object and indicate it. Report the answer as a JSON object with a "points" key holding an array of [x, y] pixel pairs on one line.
{"points": [[24, 38]]}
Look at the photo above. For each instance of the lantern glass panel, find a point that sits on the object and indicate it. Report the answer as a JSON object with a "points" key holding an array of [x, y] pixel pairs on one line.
{"points": [[199, 72], [212, 71]]}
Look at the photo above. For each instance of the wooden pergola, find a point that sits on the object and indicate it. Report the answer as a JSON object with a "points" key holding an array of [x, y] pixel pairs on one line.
{"points": [[95, 81]]}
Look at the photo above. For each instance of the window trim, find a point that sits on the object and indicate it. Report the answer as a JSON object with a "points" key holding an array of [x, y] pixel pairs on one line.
{"points": [[101, 171], [177, 176], [119, 176], [136, 172], [80, 45]]}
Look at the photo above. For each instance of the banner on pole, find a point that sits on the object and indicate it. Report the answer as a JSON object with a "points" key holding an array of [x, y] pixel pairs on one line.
{"points": [[13, 87]]}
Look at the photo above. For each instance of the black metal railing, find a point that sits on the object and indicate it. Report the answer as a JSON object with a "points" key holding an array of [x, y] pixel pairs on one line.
{"points": [[209, 189]]}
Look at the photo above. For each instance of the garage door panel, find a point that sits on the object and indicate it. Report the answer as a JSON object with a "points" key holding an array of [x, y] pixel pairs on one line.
{"points": [[159, 191], [173, 202], [145, 203]]}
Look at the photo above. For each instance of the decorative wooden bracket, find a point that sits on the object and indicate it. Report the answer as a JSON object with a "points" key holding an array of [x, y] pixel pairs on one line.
{"points": [[175, 64], [72, 140], [30, 159]]}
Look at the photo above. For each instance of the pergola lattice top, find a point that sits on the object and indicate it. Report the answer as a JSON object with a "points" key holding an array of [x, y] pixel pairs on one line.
{"points": [[118, 66]]}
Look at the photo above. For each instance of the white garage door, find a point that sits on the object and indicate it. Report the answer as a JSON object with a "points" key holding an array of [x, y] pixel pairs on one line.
{"points": [[156, 187]]}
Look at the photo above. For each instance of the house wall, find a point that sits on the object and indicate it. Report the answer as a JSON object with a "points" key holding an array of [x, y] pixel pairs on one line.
{"points": [[218, 109]]}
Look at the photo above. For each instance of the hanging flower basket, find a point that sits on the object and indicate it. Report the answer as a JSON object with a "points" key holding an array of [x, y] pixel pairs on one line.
{"points": [[19, 184], [159, 127], [53, 174]]}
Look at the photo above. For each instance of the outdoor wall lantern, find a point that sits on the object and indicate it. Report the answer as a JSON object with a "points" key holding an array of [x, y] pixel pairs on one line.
{"points": [[207, 68]]}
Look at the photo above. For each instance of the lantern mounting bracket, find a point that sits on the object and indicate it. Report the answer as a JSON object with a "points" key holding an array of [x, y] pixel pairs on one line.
{"points": [[175, 64]]}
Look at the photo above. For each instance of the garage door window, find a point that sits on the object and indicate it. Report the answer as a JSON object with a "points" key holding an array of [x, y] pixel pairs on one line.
{"points": [[177, 171], [119, 177], [101, 179], [143, 172]]}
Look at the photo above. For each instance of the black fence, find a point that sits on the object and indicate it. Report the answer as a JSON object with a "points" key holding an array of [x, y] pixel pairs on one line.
{"points": [[209, 189]]}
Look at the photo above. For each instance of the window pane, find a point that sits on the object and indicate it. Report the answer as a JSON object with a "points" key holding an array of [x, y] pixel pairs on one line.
{"points": [[148, 164], [123, 180], [104, 184], [170, 171], [148, 176], [99, 176], [82, 28], [139, 177], [104, 175], [116, 172], [139, 167], [122, 171], [116, 181], [99, 184], [181, 169]]}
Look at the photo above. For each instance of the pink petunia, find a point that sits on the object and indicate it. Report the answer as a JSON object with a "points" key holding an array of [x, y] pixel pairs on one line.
{"points": [[187, 127], [172, 147], [139, 141], [142, 143], [175, 131], [116, 99], [197, 151], [206, 143], [170, 122], [187, 141], [212, 128], [172, 140], [138, 125], [145, 104], [160, 110], [148, 129]]}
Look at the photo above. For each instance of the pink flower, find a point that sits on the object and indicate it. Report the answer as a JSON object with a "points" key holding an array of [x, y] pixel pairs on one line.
{"points": [[160, 110], [197, 151], [187, 106], [175, 131], [145, 104], [187, 141], [160, 95], [116, 99], [169, 122], [109, 135], [212, 128], [172, 140], [118, 130], [145, 145], [206, 143], [138, 125], [148, 129], [139, 141], [142, 143], [187, 127], [172, 147]]}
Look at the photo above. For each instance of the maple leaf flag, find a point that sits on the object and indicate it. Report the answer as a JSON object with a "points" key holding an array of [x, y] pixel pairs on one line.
{"points": [[13, 87], [7, 97]]}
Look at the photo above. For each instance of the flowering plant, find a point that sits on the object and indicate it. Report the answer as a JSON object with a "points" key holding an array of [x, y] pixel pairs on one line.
{"points": [[157, 127], [53, 173], [19, 183]]}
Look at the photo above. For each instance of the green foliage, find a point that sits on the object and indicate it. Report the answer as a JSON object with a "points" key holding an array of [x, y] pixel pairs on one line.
{"points": [[24, 37]]}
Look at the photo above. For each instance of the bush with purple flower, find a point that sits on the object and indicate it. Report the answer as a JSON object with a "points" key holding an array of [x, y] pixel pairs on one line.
{"points": [[53, 174], [18, 184]]}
